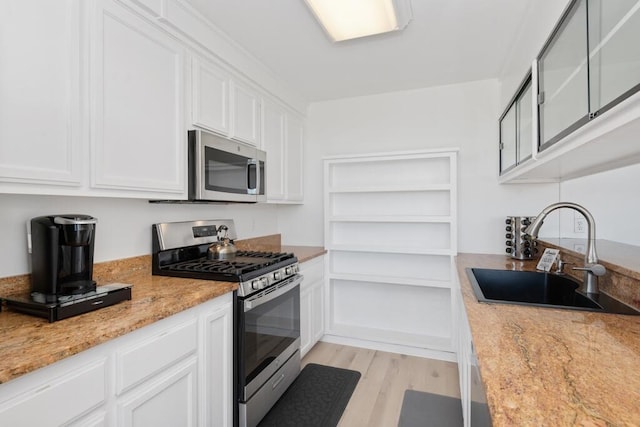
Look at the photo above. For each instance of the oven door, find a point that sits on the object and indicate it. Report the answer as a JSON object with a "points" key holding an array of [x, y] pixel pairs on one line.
{"points": [[268, 333]]}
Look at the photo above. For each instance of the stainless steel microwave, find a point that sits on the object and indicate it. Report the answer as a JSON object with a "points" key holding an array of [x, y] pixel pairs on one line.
{"points": [[222, 170]]}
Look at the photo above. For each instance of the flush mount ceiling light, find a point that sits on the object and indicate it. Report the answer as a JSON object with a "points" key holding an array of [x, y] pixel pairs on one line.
{"points": [[351, 19]]}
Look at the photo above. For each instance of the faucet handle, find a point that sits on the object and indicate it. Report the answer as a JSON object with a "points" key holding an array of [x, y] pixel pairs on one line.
{"points": [[560, 266], [595, 269]]}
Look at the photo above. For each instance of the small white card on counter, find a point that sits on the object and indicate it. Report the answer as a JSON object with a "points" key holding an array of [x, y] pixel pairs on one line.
{"points": [[547, 259]]}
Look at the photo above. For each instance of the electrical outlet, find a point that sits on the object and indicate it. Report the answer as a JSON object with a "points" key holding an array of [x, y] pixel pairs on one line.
{"points": [[579, 223]]}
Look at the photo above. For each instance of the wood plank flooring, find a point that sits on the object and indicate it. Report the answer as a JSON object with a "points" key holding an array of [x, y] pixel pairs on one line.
{"points": [[377, 400]]}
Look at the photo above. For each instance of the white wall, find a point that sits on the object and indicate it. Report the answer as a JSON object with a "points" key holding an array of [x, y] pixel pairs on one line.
{"points": [[464, 116], [612, 198], [124, 225]]}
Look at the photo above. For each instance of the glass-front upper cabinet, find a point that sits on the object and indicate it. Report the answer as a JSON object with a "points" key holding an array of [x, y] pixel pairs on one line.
{"points": [[590, 63], [516, 128], [508, 139], [614, 51], [563, 77]]}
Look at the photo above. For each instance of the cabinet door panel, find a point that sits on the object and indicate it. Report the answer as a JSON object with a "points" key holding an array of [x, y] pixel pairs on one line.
{"points": [[147, 358], [273, 140], [168, 402], [294, 159], [614, 60], [218, 368], [508, 140], [563, 78], [246, 114], [50, 403], [138, 135], [39, 83], [210, 95]]}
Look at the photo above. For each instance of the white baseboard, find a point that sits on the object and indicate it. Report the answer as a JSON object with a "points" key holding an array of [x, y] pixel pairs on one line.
{"points": [[392, 348]]}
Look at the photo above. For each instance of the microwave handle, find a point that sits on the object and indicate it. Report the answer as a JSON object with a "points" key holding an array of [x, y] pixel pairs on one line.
{"points": [[253, 164]]}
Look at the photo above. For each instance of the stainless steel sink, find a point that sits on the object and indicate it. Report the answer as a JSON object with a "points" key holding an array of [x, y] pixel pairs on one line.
{"points": [[539, 289]]}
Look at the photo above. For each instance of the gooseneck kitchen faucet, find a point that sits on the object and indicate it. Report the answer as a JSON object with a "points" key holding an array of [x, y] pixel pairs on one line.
{"points": [[591, 267]]}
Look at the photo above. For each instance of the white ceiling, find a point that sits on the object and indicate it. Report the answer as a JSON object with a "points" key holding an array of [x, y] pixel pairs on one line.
{"points": [[448, 41]]}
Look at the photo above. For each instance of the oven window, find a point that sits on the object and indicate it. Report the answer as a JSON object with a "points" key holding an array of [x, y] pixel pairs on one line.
{"points": [[268, 330], [225, 172]]}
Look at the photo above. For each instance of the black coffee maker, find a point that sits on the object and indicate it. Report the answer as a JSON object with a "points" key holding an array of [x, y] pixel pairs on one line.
{"points": [[62, 256]]}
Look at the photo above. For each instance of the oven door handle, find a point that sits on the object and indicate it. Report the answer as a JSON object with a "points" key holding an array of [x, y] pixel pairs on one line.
{"points": [[251, 304]]}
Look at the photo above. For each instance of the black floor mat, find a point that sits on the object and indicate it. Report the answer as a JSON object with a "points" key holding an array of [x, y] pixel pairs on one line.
{"points": [[421, 409], [317, 398]]}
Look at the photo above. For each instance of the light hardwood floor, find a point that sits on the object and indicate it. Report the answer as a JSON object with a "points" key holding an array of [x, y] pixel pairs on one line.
{"points": [[377, 400]]}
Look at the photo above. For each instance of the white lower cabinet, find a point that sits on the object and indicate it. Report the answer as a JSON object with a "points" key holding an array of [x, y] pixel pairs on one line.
{"points": [[311, 304], [167, 401], [175, 372], [54, 397]]}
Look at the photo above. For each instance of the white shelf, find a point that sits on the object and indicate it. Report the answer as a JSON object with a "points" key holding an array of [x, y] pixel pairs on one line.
{"points": [[390, 189], [387, 216], [391, 337], [392, 218], [409, 281], [390, 250]]}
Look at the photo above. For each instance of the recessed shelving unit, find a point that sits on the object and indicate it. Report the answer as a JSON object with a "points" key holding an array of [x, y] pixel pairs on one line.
{"points": [[390, 232]]}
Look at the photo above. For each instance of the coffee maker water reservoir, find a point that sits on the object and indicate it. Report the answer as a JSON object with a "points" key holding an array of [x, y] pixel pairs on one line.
{"points": [[62, 256]]}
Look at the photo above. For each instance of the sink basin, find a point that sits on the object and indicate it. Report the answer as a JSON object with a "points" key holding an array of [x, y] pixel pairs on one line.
{"points": [[539, 289]]}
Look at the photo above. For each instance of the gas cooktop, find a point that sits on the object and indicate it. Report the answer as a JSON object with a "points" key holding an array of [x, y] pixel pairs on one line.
{"points": [[180, 249], [244, 266]]}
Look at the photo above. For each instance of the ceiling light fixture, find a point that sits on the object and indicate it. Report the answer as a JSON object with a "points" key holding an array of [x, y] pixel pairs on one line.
{"points": [[351, 19]]}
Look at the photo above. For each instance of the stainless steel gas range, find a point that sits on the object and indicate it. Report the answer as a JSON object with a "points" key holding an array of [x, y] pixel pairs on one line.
{"points": [[267, 311]]}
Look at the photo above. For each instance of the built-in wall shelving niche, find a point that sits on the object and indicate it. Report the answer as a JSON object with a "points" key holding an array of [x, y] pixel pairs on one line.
{"points": [[391, 235]]}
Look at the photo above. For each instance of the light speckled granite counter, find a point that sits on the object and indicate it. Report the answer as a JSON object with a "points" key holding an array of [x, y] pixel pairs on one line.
{"points": [[28, 343], [549, 367]]}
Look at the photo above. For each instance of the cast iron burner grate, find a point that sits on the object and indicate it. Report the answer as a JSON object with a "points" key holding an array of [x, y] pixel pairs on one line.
{"points": [[244, 262]]}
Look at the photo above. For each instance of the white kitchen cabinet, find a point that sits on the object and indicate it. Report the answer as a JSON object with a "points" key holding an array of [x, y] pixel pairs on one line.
{"points": [[586, 88], [311, 304], [390, 232], [246, 113], [216, 373], [138, 137], [283, 140], [40, 123], [43, 398], [210, 96], [169, 400], [177, 371], [294, 150]]}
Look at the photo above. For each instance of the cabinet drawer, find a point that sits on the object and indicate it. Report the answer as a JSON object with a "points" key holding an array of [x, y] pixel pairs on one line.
{"points": [[58, 401], [312, 270], [137, 363]]}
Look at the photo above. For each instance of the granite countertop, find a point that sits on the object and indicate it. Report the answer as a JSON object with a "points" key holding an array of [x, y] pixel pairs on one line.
{"points": [[552, 367], [28, 343]]}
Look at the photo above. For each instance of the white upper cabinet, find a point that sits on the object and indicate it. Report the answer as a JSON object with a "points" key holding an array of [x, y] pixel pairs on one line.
{"points": [[137, 131], [40, 94], [210, 96], [282, 139], [246, 113], [273, 141], [294, 158], [586, 84]]}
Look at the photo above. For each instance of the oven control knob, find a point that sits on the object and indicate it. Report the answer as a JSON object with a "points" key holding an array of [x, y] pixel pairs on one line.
{"points": [[264, 282], [276, 275], [287, 271], [255, 285]]}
